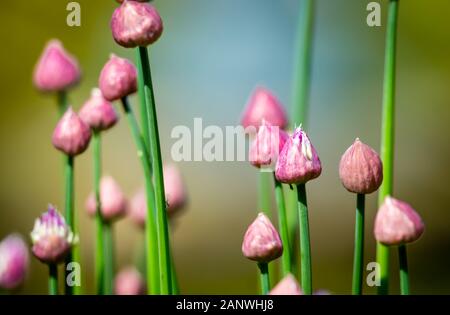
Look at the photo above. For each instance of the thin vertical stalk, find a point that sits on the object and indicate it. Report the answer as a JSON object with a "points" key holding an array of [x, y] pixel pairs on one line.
{"points": [[69, 215], [52, 279], [108, 235], [173, 270], [99, 245], [151, 239], [387, 133], [155, 151], [63, 103], [264, 192], [305, 244], [282, 219], [264, 277], [142, 102], [358, 258], [404, 275]]}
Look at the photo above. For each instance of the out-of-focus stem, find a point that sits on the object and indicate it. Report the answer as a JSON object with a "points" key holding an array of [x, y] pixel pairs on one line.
{"points": [[358, 258], [99, 245], [108, 234], [53, 279], [404, 275], [305, 244], [282, 219]]}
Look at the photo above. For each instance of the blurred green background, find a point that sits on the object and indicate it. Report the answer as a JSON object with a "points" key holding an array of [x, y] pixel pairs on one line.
{"points": [[211, 55]]}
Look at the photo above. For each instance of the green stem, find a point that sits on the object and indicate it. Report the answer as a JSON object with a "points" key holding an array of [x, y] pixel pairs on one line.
{"points": [[264, 276], [286, 258], [63, 102], [387, 134], [151, 239], [99, 246], [52, 279], [155, 150], [108, 235], [142, 102], [358, 258], [404, 275], [302, 64], [264, 193], [305, 244], [173, 270], [69, 215]]}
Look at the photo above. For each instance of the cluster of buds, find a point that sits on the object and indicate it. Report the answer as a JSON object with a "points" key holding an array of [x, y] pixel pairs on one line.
{"points": [[52, 238]]}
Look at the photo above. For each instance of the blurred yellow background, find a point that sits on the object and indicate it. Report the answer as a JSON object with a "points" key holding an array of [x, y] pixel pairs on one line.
{"points": [[211, 55]]}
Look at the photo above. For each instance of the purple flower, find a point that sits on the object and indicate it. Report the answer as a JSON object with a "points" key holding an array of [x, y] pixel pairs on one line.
{"points": [[98, 112], [14, 261], [262, 242], [136, 24], [298, 162], [71, 134], [56, 69], [118, 78], [52, 238]]}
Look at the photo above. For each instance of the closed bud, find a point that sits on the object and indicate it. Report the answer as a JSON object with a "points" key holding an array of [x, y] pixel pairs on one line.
{"points": [[174, 188], [262, 242], [263, 105], [298, 162], [118, 78], [287, 286], [98, 112], [112, 200], [136, 24], [397, 223], [14, 262], [52, 238], [360, 169], [56, 69], [71, 134], [129, 282], [267, 145]]}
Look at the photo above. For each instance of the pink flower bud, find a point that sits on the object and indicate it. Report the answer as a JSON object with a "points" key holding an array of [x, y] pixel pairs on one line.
{"points": [[112, 200], [267, 145], [263, 105], [175, 192], [138, 208], [97, 112], [56, 69], [298, 162], [136, 24], [397, 223], [71, 134], [52, 238], [118, 78], [287, 286], [14, 261], [262, 242], [120, 1], [129, 282], [360, 169]]}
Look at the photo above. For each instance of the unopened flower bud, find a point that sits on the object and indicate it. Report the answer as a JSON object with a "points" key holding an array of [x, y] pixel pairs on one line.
{"points": [[71, 134], [287, 286], [14, 262], [263, 105], [98, 112], [136, 24], [298, 162], [129, 282], [112, 200], [52, 238], [56, 69], [118, 78], [174, 188], [360, 169], [397, 223], [262, 242]]}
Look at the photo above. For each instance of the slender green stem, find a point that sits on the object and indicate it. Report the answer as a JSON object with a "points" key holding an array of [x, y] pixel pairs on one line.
{"points": [[305, 244], [63, 102], [173, 270], [282, 219], [404, 275], [52, 279], [142, 101], [265, 279], [358, 258], [108, 234], [151, 239], [302, 64], [387, 133], [99, 246], [264, 193], [69, 215], [155, 151]]}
